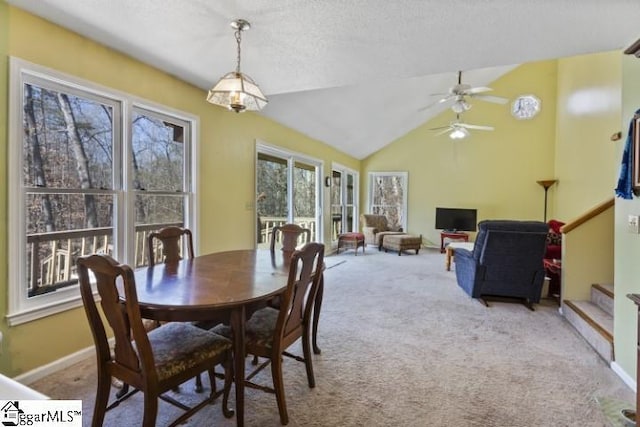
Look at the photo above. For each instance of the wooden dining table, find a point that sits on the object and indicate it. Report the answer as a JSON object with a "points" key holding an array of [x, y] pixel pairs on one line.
{"points": [[225, 287]]}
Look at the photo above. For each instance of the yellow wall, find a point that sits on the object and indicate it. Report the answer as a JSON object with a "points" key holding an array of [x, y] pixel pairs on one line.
{"points": [[494, 171], [587, 257], [627, 246], [588, 113], [227, 155], [4, 48]]}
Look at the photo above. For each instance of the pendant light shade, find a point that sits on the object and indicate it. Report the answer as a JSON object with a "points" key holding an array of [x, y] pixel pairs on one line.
{"points": [[236, 90]]}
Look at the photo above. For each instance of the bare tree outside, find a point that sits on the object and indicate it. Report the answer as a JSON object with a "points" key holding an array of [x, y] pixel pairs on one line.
{"points": [[273, 193], [69, 178], [158, 169], [388, 197], [68, 145], [67, 153], [32, 138]]}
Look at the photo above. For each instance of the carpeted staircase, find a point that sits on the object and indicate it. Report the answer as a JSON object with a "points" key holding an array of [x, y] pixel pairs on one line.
{"points": [[593, 319]]}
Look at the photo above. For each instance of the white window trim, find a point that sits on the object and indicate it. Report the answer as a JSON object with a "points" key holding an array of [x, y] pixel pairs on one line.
{"points": [[20, 308], [262, 147], [405, 195], [356, 192]]}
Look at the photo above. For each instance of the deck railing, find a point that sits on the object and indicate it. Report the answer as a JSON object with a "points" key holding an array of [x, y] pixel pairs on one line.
{"points": [[268, 222], [52, 256]]}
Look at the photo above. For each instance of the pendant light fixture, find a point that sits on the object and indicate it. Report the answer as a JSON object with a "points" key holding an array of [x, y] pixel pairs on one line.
{"points": [[235, 90]]}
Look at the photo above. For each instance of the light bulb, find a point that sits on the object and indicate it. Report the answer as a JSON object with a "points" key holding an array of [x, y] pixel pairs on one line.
{"points": [[458, 133], [236, 101]]}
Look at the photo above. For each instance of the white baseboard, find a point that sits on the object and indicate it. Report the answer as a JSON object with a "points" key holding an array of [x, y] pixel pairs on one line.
{"points": [[626, 378], [57, 365]]}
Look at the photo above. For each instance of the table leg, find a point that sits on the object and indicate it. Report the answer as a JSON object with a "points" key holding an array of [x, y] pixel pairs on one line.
{"points": [[448, 256], [317, 304], [237, 326]]}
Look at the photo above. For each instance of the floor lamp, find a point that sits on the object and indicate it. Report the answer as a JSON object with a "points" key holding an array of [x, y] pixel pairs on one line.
{"points": [[546, 184]]}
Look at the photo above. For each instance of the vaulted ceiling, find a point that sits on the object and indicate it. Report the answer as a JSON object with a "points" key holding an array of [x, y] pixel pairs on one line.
{"points": [[354, 74]]}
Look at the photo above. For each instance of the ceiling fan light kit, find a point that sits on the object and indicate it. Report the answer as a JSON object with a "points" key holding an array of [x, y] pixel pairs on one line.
{"points": [[237, 91], [459, 133], [461, 91], [457, 129], [460, 106], [459, 94]]}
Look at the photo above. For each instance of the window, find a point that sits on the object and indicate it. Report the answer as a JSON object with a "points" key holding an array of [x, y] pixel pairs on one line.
{"points": [[159, 148], [388, 196], [344, 201], [85, 178], [287, 191]]}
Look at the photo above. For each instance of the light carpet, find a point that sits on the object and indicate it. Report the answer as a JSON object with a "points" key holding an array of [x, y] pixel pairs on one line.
{"points": [[403, 345]]}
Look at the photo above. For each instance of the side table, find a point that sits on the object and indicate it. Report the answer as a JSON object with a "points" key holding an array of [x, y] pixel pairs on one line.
{"points": [[450, 250], [451, 236]]}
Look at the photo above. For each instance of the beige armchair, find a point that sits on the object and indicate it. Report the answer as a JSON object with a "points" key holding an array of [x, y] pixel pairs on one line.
{"points": [[374, 228]]}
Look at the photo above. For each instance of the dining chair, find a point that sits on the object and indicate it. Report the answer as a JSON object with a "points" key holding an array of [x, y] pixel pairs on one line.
{"points": [[290, 233], [152, 362], [270, 331], [170, 237]]}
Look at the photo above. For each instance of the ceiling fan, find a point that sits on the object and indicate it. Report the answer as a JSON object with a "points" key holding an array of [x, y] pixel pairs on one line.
{"points": [[459, 129], [461, 91]]}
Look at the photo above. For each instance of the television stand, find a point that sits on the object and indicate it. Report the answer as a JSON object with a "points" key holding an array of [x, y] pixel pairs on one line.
{"points": [[448, 236]]}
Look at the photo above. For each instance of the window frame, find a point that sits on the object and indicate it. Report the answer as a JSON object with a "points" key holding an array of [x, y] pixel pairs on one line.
{"points": [[405, 193], [21, 308], [344, 171], [291, 157]]}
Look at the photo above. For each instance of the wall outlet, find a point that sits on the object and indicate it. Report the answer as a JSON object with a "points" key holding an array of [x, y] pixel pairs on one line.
{"points": [[634, 224]]}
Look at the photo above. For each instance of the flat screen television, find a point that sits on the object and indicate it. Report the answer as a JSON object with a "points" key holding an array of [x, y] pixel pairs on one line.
{"points": [[454, 219]]}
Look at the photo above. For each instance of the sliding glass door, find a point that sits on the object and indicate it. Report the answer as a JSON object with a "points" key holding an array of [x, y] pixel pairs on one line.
{"points": [[287, 191]]}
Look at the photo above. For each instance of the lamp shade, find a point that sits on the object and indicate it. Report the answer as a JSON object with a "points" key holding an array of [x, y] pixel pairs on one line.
{"points": [[237, 92]]}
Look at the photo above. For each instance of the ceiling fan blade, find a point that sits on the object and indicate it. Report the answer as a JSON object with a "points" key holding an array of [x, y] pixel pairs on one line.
{"points": [[447, 127], [490, 98], [478, 89], [433, 104], [446, 99], [476, 127], [447, 130]]}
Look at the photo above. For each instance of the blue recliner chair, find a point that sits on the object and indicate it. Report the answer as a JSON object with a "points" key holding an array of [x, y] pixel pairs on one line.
{"points": [[506, 261]]}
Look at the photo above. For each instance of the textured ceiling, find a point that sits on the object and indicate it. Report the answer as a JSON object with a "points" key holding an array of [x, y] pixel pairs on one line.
{"points": [[353, 74]]}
